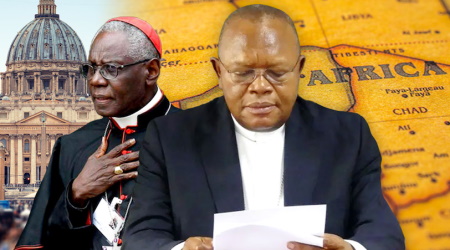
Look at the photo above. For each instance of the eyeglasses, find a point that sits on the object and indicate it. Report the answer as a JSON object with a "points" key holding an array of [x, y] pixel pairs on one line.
{"points": [[248, 76], [108, 71]]}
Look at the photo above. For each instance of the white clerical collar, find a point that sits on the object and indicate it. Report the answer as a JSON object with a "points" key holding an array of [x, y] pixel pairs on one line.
{"points": [[132, 120], [258, 136]]}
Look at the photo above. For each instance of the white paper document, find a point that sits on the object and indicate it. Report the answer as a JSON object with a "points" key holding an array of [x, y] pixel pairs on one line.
{"points": [[269, 229]]}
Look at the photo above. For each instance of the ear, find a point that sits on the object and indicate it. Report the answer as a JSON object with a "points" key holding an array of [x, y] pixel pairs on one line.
{"points": [[216, 65], [153, 68], [301, 63]]}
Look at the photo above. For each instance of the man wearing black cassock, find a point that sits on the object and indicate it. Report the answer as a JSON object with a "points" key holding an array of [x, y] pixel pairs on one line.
{"points": [[261, 146], [98, 162]]}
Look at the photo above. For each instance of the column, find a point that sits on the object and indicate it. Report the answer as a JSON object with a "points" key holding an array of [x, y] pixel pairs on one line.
{"points": [[36, 83], [69, 91], [44, 153], [20, 83], [52, 142], [44, 166], [33, 160], [15, 86], [19, 159], [39, 144], [12, 167], [9, 84], [55, 82], [12, 84], [52, 83], [24, 83], [2, 82], [41, 84], [2, 172], [85, 87], [74, 85]]}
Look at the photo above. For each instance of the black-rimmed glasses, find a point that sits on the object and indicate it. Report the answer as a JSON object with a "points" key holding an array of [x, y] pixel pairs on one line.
{"points": [[108, 71], [249, 75]]}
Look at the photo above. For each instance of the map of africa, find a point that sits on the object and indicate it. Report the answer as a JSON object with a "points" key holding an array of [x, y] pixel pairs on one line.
{"points": [[387, 60]]}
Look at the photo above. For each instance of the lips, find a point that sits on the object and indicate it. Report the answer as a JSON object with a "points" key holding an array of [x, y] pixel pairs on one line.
{"points": [[260, 108], [101, 99]]}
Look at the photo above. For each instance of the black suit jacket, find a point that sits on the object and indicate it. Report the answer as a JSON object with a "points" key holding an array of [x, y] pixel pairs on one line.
{"points": [[190, 170]]}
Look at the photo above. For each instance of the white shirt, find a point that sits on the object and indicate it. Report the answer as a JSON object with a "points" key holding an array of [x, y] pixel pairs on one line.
{"points": [[132, 120], [261, 157]]}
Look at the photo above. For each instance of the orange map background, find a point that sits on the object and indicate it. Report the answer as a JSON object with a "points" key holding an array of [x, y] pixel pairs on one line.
{"points": [[397, 53]]}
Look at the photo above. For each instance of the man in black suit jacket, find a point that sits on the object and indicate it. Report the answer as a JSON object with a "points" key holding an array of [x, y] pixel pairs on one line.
{"points": [[197, 163]]}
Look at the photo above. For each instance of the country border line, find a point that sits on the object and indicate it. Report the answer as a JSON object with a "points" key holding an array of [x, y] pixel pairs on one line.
{"points": [[354, 46], [234, 4], [185, 64], [447, 9], [203, 93], [320, 22], [424, 200], [408, 119], [408, 43]]}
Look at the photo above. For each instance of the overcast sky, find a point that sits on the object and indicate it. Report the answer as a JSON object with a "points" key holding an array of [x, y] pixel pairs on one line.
{"points": [[84, 16]]}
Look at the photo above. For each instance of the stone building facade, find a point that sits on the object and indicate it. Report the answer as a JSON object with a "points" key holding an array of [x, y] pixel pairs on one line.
{"points": [[42, 95]]}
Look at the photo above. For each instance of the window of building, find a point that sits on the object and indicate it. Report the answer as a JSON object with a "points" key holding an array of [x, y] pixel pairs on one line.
{"points": [[59, 114], [82, 115], [61, 83], [3, 142], [26, 158], [26, 146], [30, 84], [6, 175], [3, 115], [76, 86], [26, 114], [38, 173], [46, 83], [26, 178]]}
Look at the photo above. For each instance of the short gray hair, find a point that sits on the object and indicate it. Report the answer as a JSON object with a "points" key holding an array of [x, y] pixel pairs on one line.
{"points": [[140, 46]]}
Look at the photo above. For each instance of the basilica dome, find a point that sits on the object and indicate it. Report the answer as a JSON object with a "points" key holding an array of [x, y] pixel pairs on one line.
{"points": [[44, 59], [46, 38]]}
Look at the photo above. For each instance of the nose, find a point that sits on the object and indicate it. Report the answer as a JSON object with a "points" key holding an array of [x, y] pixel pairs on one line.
{"points": [[97, 79], [260, 85]]}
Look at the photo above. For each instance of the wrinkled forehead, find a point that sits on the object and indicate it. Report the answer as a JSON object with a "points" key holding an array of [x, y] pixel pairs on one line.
{"points": [[267, 37]]}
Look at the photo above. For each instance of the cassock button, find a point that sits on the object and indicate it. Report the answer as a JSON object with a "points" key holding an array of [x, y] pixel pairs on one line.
{"points": [[124, 152], [123, 197], [129, 131], [119, 242]]}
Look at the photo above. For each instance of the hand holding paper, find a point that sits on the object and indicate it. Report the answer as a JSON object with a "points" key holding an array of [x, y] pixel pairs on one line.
{"points": [[198, 243], [330, 242], [269, 229]]}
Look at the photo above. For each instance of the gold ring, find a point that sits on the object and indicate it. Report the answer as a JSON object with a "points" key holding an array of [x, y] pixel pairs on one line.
{"points": [[118, 170]]}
